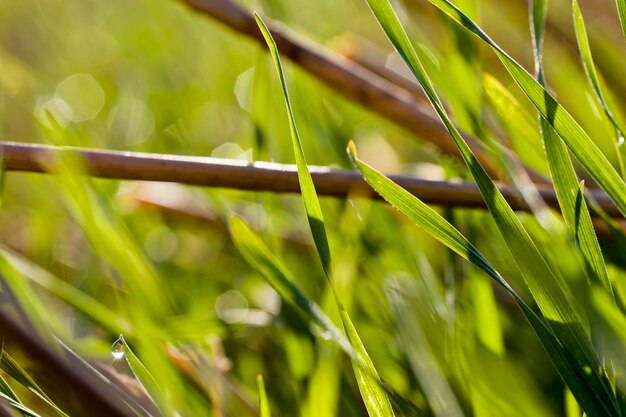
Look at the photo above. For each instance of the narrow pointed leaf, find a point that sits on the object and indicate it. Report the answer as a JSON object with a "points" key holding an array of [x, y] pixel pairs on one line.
{"points": [[594, 80], [264, 406], [18, 406], [439, 228], [621, 10], [540, 279], [577, 218], [145, 378], [577, 140], [13, 369], [258, 255], [307, 189], [374, 396]]}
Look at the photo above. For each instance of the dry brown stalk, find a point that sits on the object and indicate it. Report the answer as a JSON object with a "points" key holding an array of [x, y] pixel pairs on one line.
{"points": [[350, 79], [261, 176]]}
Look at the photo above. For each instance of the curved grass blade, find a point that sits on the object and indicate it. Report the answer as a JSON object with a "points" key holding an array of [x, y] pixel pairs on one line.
{"points": [[577, 140], [309, 197], [575, 213], [540, 279], [18, 405], [8, 394], [264, 406], [549, 296], [374, 396], [143, 376], [594, 80], [430, 221], [6, 389], [13, 369]]}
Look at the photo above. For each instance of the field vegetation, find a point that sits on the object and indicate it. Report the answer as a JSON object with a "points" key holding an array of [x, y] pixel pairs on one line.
{"points": [[290, 208]]}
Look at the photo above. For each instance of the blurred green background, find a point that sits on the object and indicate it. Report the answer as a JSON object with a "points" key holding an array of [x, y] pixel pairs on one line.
{"points": [[153, 76]]}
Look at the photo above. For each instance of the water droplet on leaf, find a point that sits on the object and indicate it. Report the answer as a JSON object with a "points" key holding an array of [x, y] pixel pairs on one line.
{"points": [[118, 348]]}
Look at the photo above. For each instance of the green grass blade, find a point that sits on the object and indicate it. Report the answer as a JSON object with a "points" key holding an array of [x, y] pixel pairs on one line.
{"points": [[24, 300], [575, 213], [15, 371], [7, 391], [543, 284], [374, 396], [594, 80], [428, 219], [538, 9], [145, 378], [564, 360], [577, 140], [259, 256], [264, 406], [546, 291], [18, 406], [309, 196], [621, 11]]}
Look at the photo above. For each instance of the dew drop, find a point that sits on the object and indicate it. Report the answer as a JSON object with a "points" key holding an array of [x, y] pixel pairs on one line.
{"points": [[118, 347]]}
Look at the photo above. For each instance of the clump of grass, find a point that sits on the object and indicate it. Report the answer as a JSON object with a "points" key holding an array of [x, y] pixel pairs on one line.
{"points": [[354, 311]]}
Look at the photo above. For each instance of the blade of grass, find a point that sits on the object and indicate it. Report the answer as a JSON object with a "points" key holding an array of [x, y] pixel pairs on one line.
{"points": [[374, 396], [12, 368], [110, 239], [307, 188], [145, 378], [566, 184], [18, 405], [543, 284], [24, 300], [7, 391], [621, 11], [431, 222], [577, 140], [594, 80], [264, 406], [258, 255], [569, 192]]}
